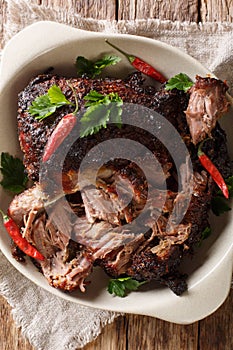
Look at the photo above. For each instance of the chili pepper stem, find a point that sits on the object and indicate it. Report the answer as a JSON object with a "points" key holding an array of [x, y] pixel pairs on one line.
{"points": [[199, 150], [141, 65], [4, 216], [131, 58], [76, 99]]}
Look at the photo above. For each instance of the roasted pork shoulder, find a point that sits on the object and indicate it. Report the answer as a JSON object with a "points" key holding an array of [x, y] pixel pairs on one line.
{"points": [[102, 225]]}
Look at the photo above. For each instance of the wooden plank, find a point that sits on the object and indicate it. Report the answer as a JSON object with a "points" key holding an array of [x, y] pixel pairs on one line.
{"points": [[150, 333], [98, 9], [216, 331], [216, 10], [178, 10], [3, 7], [113, 336], [10, 335]]}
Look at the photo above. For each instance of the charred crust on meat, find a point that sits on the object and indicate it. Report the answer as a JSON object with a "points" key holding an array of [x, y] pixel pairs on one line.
{"points": [[17, 254]]}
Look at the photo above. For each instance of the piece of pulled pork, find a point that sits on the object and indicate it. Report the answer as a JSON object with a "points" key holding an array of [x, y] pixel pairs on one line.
{"points": [[207, 104]]}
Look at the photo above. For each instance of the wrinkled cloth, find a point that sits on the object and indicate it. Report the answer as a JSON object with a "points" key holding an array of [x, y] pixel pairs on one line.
{"points": [[68, 325]]}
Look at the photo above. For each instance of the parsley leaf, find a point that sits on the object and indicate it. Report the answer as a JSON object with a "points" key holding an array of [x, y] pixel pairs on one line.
{"points": [[100, 110], [180, 82], [45, 105], [94, 68], [204, 235], [93, 97], [12, 169], [41, 107], [57, 97], [229, 182], [120, 286], [219, 205]]}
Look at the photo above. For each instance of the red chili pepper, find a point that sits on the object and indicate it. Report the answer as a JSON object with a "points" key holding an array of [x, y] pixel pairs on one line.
{"points": [[141, 65], [213, 171], [14, 232], [59, 134]]}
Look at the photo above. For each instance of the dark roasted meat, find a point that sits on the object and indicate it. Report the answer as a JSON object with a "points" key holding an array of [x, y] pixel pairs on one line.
{"points": [[33, 134], [134, 218], [207, 104]]}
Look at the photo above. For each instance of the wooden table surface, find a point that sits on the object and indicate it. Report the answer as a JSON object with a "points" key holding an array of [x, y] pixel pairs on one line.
{"points": [[132, 332]]}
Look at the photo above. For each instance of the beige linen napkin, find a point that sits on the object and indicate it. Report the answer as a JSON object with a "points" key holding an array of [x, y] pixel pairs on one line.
{"points": [[58, 324]]}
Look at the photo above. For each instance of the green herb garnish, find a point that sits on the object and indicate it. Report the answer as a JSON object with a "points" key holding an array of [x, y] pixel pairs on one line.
{"points": [[229, 183], [121, 286], [45, 105], [220, 204], [13, 173], [100, 110], [180, 82], [94, 68], [204, 235]]}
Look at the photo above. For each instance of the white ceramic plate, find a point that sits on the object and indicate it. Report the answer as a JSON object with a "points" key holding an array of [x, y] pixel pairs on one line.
{"points": [[46, 44]]}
